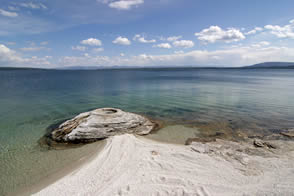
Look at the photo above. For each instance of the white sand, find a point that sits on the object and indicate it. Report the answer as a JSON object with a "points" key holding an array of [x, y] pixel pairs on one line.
{"points": [[137, 166]]}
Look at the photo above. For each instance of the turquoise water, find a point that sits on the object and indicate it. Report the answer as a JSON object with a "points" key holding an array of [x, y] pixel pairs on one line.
{"points": [[258, 100]]}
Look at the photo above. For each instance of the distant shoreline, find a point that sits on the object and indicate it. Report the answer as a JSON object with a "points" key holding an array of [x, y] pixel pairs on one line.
{"points": [[142, 68]]}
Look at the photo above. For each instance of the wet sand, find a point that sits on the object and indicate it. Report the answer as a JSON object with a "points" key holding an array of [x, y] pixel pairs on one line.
{"points": [[52, 178]]}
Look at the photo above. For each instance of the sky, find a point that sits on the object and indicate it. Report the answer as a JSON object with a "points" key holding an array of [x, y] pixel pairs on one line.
{"points": [[142, 33]]}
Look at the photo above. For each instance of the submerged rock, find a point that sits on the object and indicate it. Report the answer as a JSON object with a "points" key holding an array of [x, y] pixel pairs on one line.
{"points": [[101, 123], [189, 141]]}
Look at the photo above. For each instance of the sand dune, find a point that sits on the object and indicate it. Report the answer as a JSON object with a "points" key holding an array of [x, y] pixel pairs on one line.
{"points": [[137, 166]]}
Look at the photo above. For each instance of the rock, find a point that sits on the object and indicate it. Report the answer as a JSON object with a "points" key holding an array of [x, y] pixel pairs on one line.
{"points": [[258, 143], [200, 148], [289, 133], [101, 123], [262, 144]]}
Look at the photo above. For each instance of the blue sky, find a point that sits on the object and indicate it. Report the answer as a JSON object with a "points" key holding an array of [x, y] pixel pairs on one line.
{"points": [[55, 33]]}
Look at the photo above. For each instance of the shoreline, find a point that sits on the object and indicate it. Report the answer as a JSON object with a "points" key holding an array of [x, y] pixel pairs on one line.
{"points": [[129, 165], [60, 173]]}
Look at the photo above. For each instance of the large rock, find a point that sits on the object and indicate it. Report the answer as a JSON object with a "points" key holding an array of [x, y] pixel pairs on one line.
{"points": [[101, 123]]}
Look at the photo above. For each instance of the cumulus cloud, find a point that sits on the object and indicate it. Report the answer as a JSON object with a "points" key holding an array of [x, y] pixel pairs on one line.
{"points": [[183, 43], [142, 39], [97, 50], [6, 53], [125, 4], [216, 34], [286, 31], [254, 31], [163, 45], [92, 42], [7, 13], [173, 38], [9, 57], [33, 49], [246, 55], [86, 59], [179, 52], [260, 44], [79, 48], [13, 8], [264, 43], [122, 41], [32, 5]]}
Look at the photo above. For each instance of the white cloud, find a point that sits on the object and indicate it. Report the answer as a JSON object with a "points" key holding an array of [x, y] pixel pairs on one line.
{"points": [[92, 42], [183, 43], [264, 43], [9, 57], [163, 45], [79, 48], [142, 39], [179, 52], [32, 49], [254, 31], [245, 55], [32, 5], [261, 44], [286, 31], [5, 51], [125, 4], [13, 8], [44, 43], [97, 50], [28, 23], [122, 41], [173, 38], [216, 34], [7, 13], [84, 60], [122, 54]]}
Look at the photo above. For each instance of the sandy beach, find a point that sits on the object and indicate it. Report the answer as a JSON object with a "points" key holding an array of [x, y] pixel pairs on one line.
{"points": [[130, 165]]}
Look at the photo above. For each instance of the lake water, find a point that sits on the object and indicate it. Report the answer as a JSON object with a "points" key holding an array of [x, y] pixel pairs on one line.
{"points": [[255, 100]]}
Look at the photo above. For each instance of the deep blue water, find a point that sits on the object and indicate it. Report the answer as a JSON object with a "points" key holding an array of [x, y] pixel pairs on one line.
{"points": [[31, 100]]}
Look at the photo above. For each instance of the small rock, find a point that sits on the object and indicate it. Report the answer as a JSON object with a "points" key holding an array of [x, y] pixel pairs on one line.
{"points": [[200, 149], [289, 133], [258, 143], [270, 145], [262, 144]]}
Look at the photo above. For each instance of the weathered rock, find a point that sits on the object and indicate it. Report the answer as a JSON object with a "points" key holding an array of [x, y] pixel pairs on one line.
{"points": [[101, 123], [258, 143], [289, 133], [263, 144]]}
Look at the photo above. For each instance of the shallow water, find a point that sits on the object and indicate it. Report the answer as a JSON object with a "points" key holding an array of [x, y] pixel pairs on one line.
{"points": [[176, 134], [257, 101]]}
